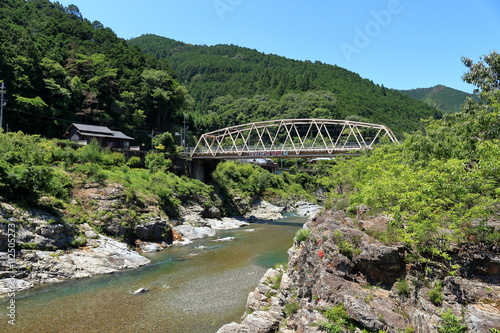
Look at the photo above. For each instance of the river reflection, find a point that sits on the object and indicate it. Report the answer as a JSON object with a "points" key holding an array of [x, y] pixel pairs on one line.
{"points": [[192, 289]]}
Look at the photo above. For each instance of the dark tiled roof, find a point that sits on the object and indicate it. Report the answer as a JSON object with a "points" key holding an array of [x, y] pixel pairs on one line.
{"points": [[94, 129], [99, 131]]}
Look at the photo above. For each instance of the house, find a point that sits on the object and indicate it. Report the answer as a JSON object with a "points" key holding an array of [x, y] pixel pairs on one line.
{"points": [[107, 138]]}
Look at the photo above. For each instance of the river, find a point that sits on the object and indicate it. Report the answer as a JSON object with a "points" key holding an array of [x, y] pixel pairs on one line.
{"points": [[194, 288]]}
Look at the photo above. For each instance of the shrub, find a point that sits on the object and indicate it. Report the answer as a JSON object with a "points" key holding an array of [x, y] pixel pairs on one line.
{"points": [[338, 319], [91, 153], [436, 295], [156, 162], [134, 162], [93, 172], [302, 235], [402, 287], [345, 245], [113, 158], [165, 142], [291, 308], [451, 323]]}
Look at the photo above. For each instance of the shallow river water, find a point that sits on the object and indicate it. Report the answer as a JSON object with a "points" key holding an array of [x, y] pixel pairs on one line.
{"points": [[194, 288]]}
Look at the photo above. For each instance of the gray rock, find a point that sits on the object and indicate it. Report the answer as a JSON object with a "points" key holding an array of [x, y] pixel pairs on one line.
{"points": [[226, 223], [481, 318], [36, 227], [307, 209], [190, 232], [233, 328], [262, 321], [320, 277], [263, 210], [154, 231], [211, 212], [381, 263], [10, 285], [103, 256], [148, 247], [140, 291]]}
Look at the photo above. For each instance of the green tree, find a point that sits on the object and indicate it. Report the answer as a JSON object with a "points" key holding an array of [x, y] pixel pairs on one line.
{"points": [[163, 97], [165, 142]]}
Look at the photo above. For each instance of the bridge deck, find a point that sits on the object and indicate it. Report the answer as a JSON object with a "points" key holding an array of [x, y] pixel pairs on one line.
{"points": [[281, 153]]}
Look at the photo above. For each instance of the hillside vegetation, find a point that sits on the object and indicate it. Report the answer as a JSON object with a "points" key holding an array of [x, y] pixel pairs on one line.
{"points": [[410, 237], [442, 185], [59, 68], [232, 84], [445, 99]]}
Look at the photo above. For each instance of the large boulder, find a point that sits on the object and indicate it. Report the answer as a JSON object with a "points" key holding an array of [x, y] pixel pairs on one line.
{"points": [[154, 231], [263, 210], [381, 263], [190, 232]]}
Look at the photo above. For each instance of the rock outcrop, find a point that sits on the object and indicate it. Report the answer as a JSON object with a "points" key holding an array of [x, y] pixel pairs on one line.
{"points": [[102, 255], [37, 229], [52, 248], [380, 288], [265, 211]]}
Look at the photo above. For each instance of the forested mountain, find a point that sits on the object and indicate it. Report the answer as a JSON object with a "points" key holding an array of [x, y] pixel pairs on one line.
{"points": [[232, 84], [59, 67], [445, 99]]}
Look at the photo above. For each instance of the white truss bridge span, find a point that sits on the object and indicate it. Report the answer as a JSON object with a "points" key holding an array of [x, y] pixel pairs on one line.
{"points": [[290, 138]]}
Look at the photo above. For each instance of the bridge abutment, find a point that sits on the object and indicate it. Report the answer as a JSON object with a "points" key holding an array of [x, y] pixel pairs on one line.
{"points": [[198, 171], [202, 169]]}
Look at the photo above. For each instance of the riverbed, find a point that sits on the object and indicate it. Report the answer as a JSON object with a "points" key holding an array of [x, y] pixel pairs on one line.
{"points": [[193, 288]]}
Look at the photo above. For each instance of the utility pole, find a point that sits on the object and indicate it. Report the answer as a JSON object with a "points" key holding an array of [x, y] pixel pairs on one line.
{"points": [[183, 136], [2, 103]]}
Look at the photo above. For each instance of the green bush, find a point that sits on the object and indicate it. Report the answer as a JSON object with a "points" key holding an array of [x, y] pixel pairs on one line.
{"points": [[451, 323], [250, 182], [402, 287], [291, 308], [302, 235], [134, 162], [93, 171], [156, 162], [113, 158], [338, 320], [172, 191], [91, 153], [165, 142], [346, 246], [435, 295]]}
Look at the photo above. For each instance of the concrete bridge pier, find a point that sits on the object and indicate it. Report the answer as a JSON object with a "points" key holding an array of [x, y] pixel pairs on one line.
{"points": [[202, 169], [197, 170]]}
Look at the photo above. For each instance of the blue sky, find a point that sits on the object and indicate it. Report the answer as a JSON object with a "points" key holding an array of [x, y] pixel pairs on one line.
{"points": [[401, 44]]}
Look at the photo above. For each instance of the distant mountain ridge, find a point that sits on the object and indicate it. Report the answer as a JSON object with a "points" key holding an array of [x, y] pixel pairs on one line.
{"points": [[232, 85], [445, 99]]}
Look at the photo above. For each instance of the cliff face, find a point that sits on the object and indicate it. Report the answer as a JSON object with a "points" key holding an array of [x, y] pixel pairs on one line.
{"points": [[339, 279]]}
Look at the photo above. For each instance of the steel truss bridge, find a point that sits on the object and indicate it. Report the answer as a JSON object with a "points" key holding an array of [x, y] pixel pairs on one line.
{"points": [[290, 138]]}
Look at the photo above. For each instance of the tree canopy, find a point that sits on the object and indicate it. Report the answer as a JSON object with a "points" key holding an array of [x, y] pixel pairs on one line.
{"points": [[443, 183], [59, 67], [232, 84]]}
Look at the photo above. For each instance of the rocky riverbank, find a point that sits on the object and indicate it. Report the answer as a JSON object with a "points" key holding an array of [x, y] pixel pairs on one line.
{"points": [[340, 279], [51, 250]]}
